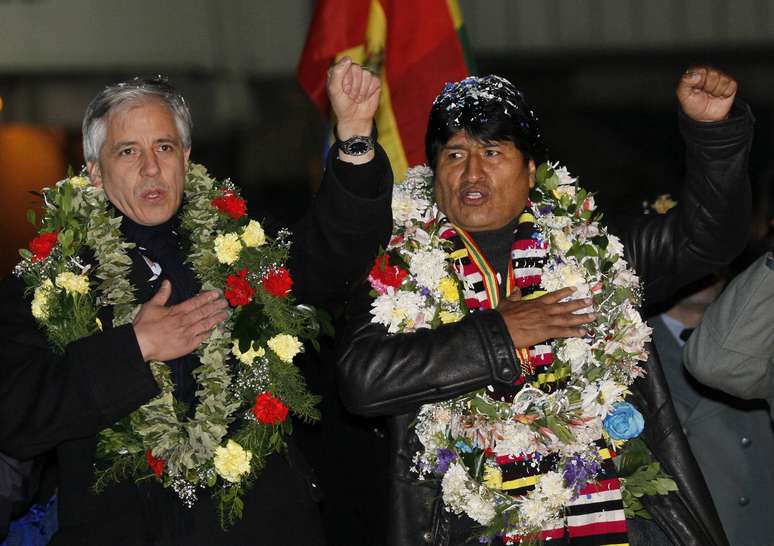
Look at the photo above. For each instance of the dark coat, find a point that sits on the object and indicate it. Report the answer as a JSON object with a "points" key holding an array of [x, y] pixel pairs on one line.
{"points": [[61, 402], [394, 375]]}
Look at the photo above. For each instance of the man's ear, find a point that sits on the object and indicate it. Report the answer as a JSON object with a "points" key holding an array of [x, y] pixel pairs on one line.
{"points": [[186, 154], [532, 170], [95, 173]]}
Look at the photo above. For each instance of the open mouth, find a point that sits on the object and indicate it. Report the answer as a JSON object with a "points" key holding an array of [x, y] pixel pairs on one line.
{"points": [[473, 196]]}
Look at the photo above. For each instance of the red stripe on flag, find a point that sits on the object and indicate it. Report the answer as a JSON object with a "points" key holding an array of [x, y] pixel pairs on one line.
{"points": [[419, 60], [337, 25]]}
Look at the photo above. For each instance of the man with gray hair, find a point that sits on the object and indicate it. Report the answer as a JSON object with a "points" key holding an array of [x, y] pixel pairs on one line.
{"points": [[137, 142]]}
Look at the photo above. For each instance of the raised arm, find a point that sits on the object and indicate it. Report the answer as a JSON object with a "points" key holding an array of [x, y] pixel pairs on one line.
{"points": [[350, 216], [709, 227]]}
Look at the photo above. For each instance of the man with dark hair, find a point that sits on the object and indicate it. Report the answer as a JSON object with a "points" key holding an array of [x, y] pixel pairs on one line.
{"points": [[483, 142], [137, 141]]}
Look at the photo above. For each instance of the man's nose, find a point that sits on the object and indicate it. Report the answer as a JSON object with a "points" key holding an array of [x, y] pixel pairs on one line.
{"points": [[474, 168], [150, 164]]}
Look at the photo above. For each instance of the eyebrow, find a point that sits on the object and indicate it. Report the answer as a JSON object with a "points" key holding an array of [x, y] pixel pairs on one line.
{"points": [[162, 140]]}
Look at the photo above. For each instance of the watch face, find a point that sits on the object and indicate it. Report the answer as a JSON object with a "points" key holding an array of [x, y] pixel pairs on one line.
{"points": [[357, 145], [358, 148]]}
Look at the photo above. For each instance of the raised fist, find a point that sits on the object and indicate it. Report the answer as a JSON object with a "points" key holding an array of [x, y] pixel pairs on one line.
{"points": [[354, 95], [706, 93]]}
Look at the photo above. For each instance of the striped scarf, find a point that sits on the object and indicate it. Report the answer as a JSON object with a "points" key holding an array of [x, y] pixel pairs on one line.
{"points": [[596, 516]]}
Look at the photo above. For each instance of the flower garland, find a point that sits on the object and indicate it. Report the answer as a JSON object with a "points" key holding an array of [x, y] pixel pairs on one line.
{"points": [[246, 383], [418, 283]]}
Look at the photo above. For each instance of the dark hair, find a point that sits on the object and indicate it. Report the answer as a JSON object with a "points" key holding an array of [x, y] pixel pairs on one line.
{"points": [[487, 108], [135, 90]]}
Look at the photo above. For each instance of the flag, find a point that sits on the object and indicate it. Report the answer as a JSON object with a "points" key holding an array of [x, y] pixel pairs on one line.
{"points": [[415, 47]]}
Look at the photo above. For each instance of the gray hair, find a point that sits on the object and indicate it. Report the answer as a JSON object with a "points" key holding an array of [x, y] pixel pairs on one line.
{"points": [[133, 91]]}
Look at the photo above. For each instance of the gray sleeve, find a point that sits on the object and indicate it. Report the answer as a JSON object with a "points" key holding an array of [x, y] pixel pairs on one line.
{"points": [[733, 348]]}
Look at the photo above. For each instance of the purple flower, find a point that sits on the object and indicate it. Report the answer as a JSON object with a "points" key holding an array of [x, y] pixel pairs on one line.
{"points": [[424, 291], [578, 472], [444, 458]]}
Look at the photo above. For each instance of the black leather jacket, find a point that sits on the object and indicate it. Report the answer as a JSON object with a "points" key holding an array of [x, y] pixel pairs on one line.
{"points": [[393, 375]]}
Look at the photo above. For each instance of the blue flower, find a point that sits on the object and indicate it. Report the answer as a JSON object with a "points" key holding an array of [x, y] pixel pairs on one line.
{"points": [[624, 422], [463, 446]]}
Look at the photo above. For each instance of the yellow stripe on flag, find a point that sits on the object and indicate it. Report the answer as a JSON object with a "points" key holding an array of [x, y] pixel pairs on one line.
{"points": [[456, 14], [376, 30], [389, 135], [357, 54]]}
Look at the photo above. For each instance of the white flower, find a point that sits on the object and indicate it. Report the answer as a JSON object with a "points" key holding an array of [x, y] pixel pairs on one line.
{"points": [[72, 283], [565, 191], [551, 221], [227, 248], [560, 240], [564, 175], [614, 246], [407, 209], [516, 439], [534, 512], [576, 352], [562, 275], [428, 267], [626, 277], [455, 488], [598, 397], [392, 310], [232, 461], [253, 235], [585, 231], [432, 421], [553, 490], [480, 510], [285, 346]]}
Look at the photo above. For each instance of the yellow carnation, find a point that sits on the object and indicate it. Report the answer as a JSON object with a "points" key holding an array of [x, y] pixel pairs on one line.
{"points": [[448, 288], [493, 477], [227, 248], [663, 203], [40, 300], [232, 461], [285, 346], [79, 182], [249, 355], [72, 283], [447, 317], [253, 234]]}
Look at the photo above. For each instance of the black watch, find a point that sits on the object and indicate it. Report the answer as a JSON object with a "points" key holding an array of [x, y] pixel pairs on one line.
{"points": [[357, 145]]}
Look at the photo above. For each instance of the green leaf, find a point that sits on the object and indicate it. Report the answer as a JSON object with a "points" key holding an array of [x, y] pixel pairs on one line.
{"points": [[31, 217], [24, 253]]}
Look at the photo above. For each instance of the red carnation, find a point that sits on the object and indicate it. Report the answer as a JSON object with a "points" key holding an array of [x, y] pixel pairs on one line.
{"points": [[157, 465], [384, 276], [278, 282], [238, 290], [269, 410], [42, 245], [231, 204]]}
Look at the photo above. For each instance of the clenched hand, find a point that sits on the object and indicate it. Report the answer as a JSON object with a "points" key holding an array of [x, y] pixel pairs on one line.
{"points": [[706, 93]]}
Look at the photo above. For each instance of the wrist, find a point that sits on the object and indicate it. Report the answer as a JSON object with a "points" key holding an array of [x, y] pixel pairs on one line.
{"points": [[347, 129]]}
